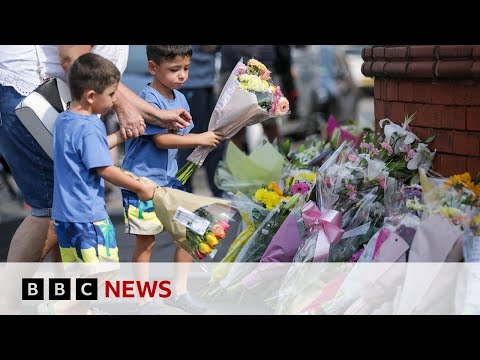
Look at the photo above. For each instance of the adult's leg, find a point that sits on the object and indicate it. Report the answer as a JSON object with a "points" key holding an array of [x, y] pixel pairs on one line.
{"points": [[32, 170]]}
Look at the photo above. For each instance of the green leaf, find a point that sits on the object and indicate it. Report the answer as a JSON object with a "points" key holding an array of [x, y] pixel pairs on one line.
{"points": [[429, 140]]}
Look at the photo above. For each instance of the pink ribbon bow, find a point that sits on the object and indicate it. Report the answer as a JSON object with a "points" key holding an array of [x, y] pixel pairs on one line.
{"points": [[329, 223]]}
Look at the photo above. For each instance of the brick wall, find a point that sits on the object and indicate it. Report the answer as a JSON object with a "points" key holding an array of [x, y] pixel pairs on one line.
{"points": [[441, 84]]}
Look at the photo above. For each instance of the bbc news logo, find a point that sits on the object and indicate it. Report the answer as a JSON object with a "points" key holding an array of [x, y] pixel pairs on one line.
{"points": [[59, 289], [87, 289]]}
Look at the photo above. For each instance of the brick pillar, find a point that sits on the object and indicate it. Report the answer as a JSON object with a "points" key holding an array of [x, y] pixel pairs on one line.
{"points": [[441, 84]]}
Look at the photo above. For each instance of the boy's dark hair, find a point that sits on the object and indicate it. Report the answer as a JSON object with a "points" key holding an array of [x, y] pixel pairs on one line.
{"points": [[92, 72], [159, 53]]}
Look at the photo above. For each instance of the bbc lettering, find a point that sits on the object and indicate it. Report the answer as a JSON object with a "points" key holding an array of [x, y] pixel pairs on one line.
{"points": [[59, 289]]}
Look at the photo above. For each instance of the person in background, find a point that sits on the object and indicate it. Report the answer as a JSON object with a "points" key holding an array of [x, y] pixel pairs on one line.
{"points": [[199, 90]]}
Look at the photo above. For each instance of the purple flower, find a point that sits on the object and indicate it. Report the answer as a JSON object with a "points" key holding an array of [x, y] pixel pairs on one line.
{"points": [[356, 256], [412, 192]]}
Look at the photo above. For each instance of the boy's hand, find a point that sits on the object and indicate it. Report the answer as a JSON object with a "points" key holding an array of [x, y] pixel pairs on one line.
{"points": [[147, 192], [210, 138]]}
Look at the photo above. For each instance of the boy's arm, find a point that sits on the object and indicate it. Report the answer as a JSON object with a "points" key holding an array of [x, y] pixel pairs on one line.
{"points": [[113, 174], [115, 139], [174, 141]]}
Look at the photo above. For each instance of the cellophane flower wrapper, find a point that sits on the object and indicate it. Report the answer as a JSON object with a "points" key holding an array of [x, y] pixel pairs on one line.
{"points": [[311, 153], [298, 180], [343, 185], [281, 249], [259, 241], [247, 98], [247, 173], [253, 215]]}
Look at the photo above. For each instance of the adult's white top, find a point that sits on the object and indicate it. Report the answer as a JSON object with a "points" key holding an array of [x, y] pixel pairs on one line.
{"points": [[25, 67]]}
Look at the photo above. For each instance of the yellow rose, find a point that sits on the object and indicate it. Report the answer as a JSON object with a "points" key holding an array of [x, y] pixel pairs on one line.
{"points": [[204, 248], [212, 240]]}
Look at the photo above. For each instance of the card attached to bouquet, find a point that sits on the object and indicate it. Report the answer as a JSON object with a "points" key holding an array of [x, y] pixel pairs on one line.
{"points": [[191, 221]]}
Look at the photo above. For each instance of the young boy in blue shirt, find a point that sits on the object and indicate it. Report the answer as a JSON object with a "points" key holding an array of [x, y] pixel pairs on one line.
{"points": [[82, 162], [153, 156]]}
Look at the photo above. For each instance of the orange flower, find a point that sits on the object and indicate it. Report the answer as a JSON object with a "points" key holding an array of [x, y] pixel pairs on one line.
{"points": [[218, 231]]}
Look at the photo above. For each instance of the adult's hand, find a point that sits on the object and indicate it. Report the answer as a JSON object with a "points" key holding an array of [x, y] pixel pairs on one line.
{"points": [[179, 118], [131, 121]]}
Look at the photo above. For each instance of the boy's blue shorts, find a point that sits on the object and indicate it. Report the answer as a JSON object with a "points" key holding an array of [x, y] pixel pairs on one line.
{"points": [[87, 242]]}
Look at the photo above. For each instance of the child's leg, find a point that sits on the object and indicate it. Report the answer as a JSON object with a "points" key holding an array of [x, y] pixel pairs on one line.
{"points": [[86, 243], [143, 248], [143, 251], [182, 266]]}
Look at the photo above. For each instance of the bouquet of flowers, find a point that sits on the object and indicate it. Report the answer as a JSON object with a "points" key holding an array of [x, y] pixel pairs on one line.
{"points": [[397, 150], [196, 223], [248, 97]]}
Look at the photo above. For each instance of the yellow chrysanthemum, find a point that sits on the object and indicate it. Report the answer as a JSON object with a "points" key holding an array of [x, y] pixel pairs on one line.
{"points": [[459, 180], [268, 198], [252, 83], [273, 186]]}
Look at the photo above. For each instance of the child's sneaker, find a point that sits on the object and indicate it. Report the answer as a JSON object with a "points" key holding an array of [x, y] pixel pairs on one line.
{"points": [[186, 302], [149, 308]]}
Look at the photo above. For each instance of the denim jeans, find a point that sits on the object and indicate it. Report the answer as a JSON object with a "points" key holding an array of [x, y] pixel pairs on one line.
{"points": [[31, 167]]}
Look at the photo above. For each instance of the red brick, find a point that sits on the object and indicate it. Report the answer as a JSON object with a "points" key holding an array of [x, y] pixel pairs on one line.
{"points": [[396, 68], [473, 118], [421, 69], [423, 132], [443, 140], [383, 90], [462, 94], [367, 68], [476, 51], [476, 69], [367, 53], [378, 68], [454, 51], [431, 116], [454, 69], [473, 166], [378, 52], [422, 92], [397, 111], [392, 90], [448, 165], [405, 91], [379, 109], [442, 92], [410, 109], [376, 88], [466, 143], [421, 52], [454, 117], [396, 52], [475, 95]]}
